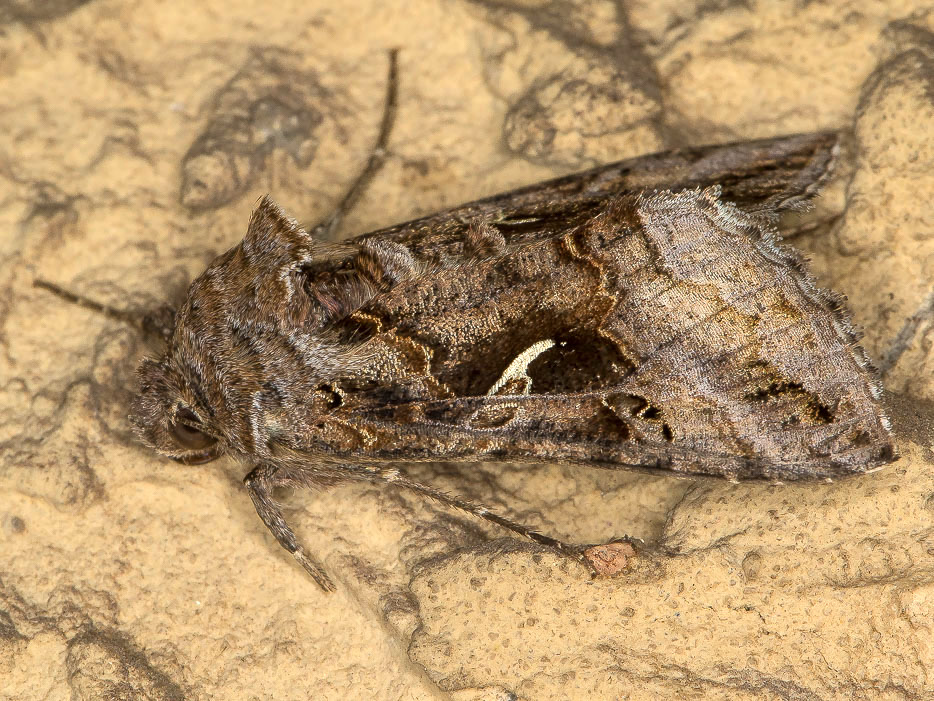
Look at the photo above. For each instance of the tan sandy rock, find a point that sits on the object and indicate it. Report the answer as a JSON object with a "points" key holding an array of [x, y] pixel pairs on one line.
{"points": [[136, 139]]}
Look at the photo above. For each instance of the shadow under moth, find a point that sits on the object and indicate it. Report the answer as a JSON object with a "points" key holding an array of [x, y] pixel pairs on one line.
{"points": [[639, 315]]}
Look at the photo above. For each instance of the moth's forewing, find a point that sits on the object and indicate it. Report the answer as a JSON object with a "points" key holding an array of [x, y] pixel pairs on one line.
{"points": [[671, 331], [762, 175], [571, 320]]}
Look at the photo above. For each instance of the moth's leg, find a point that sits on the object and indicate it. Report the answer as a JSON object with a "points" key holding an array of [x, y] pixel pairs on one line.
{"points": [[159, 322], [260, 483], [395, 477], [377, 157]]}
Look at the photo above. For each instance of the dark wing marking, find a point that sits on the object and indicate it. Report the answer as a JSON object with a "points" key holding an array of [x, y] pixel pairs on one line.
{"points": [[670, 320], [765, 175], [585, 429]]}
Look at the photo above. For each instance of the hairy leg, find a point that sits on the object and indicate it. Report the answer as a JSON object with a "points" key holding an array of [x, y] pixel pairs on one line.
{"points": [[264, 478], [392, 475], [260, 483]]}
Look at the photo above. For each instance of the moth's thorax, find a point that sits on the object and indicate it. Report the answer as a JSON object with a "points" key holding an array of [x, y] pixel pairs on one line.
{"points": [[254, 350]]}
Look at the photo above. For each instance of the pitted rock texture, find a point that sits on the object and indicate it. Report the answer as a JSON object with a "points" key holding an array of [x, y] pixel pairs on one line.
{"points": [[126, 576]]}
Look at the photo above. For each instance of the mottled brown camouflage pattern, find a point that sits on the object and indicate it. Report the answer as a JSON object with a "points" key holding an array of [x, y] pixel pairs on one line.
{"points": [[639, 315]]}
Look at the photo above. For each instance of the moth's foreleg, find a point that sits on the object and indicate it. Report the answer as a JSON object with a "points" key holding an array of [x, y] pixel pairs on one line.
{"points": [[394, 476], [260, 483]]}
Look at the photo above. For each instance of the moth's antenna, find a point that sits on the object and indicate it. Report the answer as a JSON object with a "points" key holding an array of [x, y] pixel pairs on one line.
{"points": [[377, 157], [111, 312], [159, 323]]}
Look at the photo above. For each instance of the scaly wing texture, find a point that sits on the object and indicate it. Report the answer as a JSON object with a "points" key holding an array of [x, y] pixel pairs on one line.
{"points": [[766, 175], [670, 331], [577, 320]]}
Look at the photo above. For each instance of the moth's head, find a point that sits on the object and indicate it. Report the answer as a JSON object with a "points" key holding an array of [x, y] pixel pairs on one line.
{"points": [[168, 417]]}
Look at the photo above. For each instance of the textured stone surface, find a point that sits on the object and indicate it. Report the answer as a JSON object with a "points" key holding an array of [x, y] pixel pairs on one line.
{"points": [[125, 576]]}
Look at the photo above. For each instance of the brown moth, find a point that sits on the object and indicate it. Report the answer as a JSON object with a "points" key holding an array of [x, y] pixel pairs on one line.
{"points": [[638, 315]]}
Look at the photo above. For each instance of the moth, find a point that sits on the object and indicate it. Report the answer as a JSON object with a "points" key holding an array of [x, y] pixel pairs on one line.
{"points": [[639, 315]]}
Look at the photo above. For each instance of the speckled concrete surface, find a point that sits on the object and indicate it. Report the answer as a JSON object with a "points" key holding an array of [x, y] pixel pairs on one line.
{"points": [[126, 164]]}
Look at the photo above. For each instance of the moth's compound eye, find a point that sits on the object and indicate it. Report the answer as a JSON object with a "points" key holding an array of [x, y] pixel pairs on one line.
{"points": [[186, 432]]}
